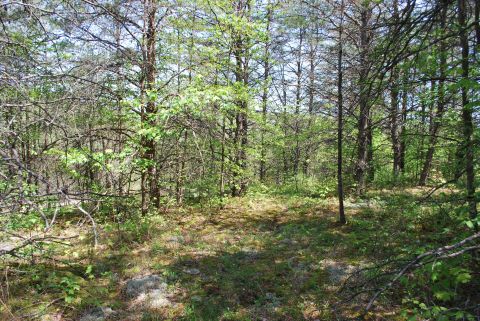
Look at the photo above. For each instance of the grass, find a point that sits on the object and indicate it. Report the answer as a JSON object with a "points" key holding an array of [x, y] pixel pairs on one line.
{"points": [[260, 258]]}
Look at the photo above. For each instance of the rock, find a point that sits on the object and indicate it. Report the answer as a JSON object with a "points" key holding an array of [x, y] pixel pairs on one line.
{"points": [[148, 291], [6, 247], [337, 272], [93, 315], [97, 314], [175, 239], [359, 205], [250, 254], [156, 299], [288, 242], [143, 285], [51, 317], [192, 271]]}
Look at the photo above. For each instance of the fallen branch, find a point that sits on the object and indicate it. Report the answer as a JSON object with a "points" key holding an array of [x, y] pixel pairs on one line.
{"points": [[33, 240], [439, 253]]}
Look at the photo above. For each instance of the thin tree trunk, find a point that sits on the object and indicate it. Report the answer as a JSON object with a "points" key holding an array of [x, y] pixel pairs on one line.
{"points": [[467, 113], [241, 130], [222, 164], [266, 77], [148, 143], [240, 44], [370, 164], [311, 92], [394, 114], [298, 91], [403, 131], [285, 125], [179, 188], [363, 119], [437, 117], [394, 128], [341, 209]]}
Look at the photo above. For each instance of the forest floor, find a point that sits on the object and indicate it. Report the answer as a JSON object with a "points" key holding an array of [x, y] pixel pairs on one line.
{"points": [[260, 258]]}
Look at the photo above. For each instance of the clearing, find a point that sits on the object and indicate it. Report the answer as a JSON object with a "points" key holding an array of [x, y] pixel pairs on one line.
{"points": [[259, 258]]}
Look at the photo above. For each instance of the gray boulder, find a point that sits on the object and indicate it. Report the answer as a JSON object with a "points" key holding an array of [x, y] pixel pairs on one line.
{"points": [[149, 291], [97, 314], [141, 285]]}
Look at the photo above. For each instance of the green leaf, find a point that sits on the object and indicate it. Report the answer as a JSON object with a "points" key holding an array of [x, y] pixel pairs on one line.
{"points": [[464, 277], [443, 295]]}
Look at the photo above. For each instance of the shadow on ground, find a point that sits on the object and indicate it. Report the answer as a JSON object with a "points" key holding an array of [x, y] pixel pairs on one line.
{"points": [[276, 264]]}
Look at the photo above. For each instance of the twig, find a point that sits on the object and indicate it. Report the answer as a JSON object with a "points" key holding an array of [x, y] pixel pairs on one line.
{"points": [[439, 253]]}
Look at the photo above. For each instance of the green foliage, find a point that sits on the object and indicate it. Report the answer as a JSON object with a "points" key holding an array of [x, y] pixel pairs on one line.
{"points": [[70, 287], [440, 313], [30, 221], [67, 284]]}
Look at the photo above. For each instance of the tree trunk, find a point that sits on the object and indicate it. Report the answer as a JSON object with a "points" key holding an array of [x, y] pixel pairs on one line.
{"points": [[363, 119], [467, 113], [240, 44], [298, 100], [179, 187], [370, 164], [341, 209], [240, 138], [285, 125], [266, 77], [394, 127], [394, 113], [148, 143], [222, 164], [437, 117], [311, 92], [403, 131]]}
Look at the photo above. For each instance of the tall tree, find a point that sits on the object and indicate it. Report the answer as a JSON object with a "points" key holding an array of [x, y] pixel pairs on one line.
{"points": [[341, 209], [468, 148], [364, 122], [240, 49], [147, 85], [437, 116], [266, 85]]}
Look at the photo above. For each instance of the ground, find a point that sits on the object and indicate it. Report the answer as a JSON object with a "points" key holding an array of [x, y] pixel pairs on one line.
{"points": [[259, 258]]}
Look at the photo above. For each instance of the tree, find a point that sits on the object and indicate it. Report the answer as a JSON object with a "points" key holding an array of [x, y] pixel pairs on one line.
{"points": [[468, 147], [364, 136], [341, 209]]}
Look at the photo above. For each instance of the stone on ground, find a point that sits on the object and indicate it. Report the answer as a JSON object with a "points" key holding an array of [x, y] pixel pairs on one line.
{"points": [[97, 314], [148, 291], [141, 285], [337, 272]]}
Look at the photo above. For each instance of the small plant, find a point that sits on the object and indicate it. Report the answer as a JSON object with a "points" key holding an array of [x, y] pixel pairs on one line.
{"points": [[70, 288]]}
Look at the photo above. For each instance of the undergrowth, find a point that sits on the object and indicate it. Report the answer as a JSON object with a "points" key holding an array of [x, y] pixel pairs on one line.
{"points": [[261, 257]]}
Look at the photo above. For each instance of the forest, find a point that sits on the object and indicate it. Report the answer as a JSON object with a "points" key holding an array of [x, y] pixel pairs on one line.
{"points": [[239, 160]]}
